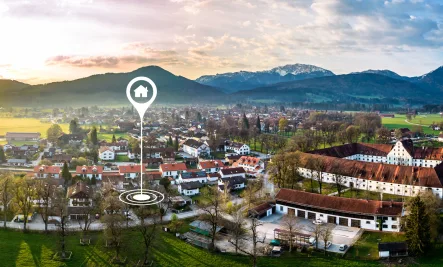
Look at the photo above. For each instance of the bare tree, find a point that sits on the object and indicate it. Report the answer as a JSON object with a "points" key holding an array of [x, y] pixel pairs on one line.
{"points": [[237, 229], [148, 228], [113, 230], [326, 235], [253, 239], [45, 195], [339, 179], [6, 194], [60, 206], [211, 205], [24, 194], [316, 231], [290, 223], [88, 216]]}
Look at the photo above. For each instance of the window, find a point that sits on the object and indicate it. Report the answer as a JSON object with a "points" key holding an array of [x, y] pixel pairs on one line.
{"points": [[321, 215], [281, 208], [368, 222], [394, 226], [385, 226]]}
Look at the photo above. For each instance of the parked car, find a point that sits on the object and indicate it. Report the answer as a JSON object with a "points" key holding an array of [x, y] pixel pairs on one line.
{"points": [[343, 247], [328, 244], [312, 240], [317, 222]]}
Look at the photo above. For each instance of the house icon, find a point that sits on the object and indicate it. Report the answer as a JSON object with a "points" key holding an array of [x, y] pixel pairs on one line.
{"points": [[141, 91]]}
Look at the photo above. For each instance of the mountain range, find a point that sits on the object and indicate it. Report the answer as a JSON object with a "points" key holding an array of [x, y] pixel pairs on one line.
{"points": [[289, 83]]}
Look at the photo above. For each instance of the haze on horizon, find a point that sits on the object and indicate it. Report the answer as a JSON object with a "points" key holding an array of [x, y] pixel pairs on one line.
{"points": [[67, 39]]}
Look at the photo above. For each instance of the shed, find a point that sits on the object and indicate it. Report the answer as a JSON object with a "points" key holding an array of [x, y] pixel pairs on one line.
{"points": [[392, 249]]}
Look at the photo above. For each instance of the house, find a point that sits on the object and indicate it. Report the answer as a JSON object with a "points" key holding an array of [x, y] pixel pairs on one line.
{"points": [[73, 139], [196, 148], [16, 162], [172, 169], [22, 136], [106, 153], [80, 197], [231, 183], [192, 176], [392, 249], [141, 91], [232, 158], [262, 210], [230, 172], [252, 165], [43, 171], [367, 214], [190, 188], [153, 177], [131, 171], [238, 148], [89, 171], [211, 166], [125, 125]]}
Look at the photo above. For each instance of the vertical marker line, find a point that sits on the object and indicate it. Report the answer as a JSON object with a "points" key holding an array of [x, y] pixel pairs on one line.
{"points": [[141, 155]]}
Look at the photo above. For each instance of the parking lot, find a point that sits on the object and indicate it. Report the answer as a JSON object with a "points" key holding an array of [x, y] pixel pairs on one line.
{"points": [[340, 234]]}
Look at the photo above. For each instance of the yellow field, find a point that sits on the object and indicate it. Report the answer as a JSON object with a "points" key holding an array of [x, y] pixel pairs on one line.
{"points": [[26, 125]]}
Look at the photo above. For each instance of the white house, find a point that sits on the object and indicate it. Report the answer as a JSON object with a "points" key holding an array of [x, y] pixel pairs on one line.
{"points": [[239, 148], [43, 171], [367, 214], [141, 91], [131, 171], [211, 166], [192, 176], [79, 196], [190, 189], [89, 171], [252, 165], [196, 148], [230, 172], [231, 183], [172, 169], [106, 153]]}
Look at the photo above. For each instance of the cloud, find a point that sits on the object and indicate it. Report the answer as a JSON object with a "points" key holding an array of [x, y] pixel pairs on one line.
{"points": [[190, 27]]}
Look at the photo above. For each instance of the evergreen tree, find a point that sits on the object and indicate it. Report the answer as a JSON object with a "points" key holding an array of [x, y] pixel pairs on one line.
{"points": [[2, 155], [199, 116], [245, 122], [93, 136], [94, 180], [258, 125], [417, 226], [113, 139], [66, 175], [176, 143], [170, 141], [73, 126]]}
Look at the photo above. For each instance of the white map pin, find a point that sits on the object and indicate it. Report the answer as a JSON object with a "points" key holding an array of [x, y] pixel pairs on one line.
{"points": [[141, 107]]}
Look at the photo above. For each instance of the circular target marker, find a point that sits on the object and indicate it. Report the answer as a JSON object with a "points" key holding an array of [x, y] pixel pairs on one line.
{"points": [[142, 197]]}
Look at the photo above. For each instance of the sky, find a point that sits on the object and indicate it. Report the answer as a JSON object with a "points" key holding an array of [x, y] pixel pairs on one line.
{"points": [[53, 40]]}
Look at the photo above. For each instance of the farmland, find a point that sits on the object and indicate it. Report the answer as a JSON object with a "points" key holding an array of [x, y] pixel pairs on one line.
{"points": [[425, 120]]}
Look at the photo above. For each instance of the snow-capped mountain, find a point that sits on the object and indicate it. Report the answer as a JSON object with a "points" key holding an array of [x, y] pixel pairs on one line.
{"points": [[244, 80]]}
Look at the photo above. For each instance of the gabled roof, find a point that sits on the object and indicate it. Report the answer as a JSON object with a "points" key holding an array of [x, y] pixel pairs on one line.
{"points": [[130, 168], [191, 185], [173, 167], [246, 160], [229, 171], [234, 180], [353, 149], [333, 203], [211, 164], [79, 190], [193, 174], [393, 246], [47, 169], [193, 143], [89, 169], [105, 148]]}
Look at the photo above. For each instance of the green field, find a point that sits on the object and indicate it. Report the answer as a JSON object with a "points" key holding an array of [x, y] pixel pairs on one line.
{"points": [[108, 137], [26, 125], [367, 246], [400, 122]]}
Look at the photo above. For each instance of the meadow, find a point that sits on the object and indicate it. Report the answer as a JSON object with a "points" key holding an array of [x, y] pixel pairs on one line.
{"points": [[425, 120]]}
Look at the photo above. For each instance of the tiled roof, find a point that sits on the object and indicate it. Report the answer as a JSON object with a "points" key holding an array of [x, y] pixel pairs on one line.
{"points": [[211, 164], [229, 171], [191, 185], [388, 173], [194, 174], [173, 167], [47, 169], [333, 203], [353, 149], [79, 190], [193, 143], [130, 168], [89, 169]]}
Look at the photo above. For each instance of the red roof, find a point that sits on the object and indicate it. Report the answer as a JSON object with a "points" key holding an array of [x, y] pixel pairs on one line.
{"points": [[211, 164], [350, 205], [89, 169], [245, 160], [130, 168], [173, 167], [47, 169]]}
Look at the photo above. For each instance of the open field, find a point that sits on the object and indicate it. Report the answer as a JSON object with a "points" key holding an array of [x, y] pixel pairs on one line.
{"points": [[26, 125], [425, 119], [367, 246], [108, 137]]}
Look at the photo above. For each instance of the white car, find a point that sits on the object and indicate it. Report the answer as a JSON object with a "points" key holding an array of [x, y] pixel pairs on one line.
{"points": [[343, 247], [317, 222], [328, 244]]}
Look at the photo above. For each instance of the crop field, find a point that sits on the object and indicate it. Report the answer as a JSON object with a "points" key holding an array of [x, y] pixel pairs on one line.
{"points": [[425, 120], [26, 125]]}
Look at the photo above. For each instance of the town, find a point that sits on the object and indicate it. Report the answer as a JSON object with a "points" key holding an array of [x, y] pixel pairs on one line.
{"points": [[249, 180]]}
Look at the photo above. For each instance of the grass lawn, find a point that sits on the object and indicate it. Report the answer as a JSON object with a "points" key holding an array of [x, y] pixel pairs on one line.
{"points": [[326, 188], [399, 122], [363, 194], [27, 125], [108, 137], [367, 246], [218, 155], [121, 158]]}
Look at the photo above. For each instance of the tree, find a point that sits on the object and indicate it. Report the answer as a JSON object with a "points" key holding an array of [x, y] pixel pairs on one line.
{"points": [[383, 135], [237, 229], [339, 179], [6, 194], [326, 236], [24, 192], [432, 205], [258, 125], [199, 116], [352, 134], [45, 194], [254, 239], [211, 206], [398, 134], [73, 126], [245, 122], [66, 175], [282, 124], [113, 225], [113, 139], [93, 136], [316, 232], [176, 144], [89, 210], [417, 226], [61, 209], [147, 228], [290, 223], [53, 133], [2, 155], [46, 162], [165, 183], [170, 144]]}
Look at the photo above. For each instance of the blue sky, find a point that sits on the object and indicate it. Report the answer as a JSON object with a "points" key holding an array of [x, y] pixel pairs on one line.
{"points": [[51, 40]]}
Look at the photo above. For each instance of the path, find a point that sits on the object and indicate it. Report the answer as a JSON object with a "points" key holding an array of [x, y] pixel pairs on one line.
{"points": [[416, 123]]}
